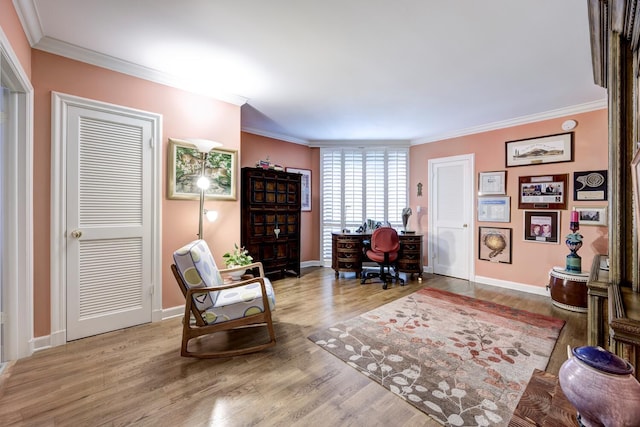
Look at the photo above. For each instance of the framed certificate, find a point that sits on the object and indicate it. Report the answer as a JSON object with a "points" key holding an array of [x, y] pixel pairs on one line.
{"points": [[492, 183], [494, 209]]}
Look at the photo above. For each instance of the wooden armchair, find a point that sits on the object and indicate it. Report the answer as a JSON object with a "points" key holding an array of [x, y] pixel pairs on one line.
{"points": [[214, 306]]}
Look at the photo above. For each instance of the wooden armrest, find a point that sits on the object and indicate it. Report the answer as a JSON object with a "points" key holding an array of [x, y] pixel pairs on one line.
{"points": [[229, 285]]}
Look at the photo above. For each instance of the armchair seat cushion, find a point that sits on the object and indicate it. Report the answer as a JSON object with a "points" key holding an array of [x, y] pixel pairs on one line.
{"points": [[236, 303]]}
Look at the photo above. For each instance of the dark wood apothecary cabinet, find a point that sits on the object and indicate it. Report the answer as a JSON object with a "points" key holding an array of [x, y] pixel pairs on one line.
{"points": [[270, 219]]}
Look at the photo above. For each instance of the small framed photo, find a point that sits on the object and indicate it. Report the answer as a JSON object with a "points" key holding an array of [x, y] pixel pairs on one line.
{"points": [[592, 215], [492, 183], [494, 209], [305, 187], [590, 185], [494, 244], [542, 226], [535, 151], [184, 169], [543, 192]]}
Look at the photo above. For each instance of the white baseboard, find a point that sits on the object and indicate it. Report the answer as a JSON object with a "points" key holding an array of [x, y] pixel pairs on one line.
{"points": [[176, 311], [42, 343], [531, 289], [312, 263]]}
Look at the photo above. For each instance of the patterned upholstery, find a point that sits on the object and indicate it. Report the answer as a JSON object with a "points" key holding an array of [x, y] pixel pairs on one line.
{"points": [[198, 269]]}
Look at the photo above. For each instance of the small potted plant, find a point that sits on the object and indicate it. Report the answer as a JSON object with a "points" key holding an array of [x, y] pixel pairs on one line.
{"points": [[237, 258]]}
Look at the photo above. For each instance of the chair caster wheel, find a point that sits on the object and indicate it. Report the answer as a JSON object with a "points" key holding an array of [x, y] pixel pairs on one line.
{"points": [[384, 286]]}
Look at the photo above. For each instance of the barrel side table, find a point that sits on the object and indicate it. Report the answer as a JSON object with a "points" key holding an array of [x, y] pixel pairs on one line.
{"points": [[568, 289]]}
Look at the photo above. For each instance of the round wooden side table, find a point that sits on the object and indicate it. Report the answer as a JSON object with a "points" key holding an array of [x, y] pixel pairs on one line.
{"points": [[568, 289]]}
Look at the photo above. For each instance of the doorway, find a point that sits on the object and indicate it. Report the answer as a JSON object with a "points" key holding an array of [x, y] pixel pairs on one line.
{"points": [[16, 209], [450, 237], [105, 233]]}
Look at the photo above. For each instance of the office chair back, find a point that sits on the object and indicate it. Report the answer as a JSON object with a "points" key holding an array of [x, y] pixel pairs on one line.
{"points": [[384, 240], [384, 248]]}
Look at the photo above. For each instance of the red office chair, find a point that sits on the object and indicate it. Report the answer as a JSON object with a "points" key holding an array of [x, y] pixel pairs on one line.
{"points": [[383, 249]]}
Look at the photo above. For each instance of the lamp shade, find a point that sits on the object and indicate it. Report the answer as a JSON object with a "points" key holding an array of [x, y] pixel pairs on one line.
{"points": [[202, 145]]}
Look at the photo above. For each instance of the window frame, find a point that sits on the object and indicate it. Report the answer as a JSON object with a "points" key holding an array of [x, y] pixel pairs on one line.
{"points": [[395, 162]]}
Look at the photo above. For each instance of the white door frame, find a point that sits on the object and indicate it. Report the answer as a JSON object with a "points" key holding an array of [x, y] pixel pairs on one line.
{"points": [[59, 106], [18, 168], [470, 158]]}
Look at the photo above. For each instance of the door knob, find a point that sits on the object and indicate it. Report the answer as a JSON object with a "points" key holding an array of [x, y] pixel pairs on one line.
{"points": [[76, 234]]}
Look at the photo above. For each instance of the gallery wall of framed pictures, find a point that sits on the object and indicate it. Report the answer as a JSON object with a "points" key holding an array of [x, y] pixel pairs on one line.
{"points": [[541, 199]]}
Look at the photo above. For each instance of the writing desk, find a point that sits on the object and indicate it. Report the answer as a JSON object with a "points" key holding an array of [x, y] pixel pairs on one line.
{"points": [[347, 253]]}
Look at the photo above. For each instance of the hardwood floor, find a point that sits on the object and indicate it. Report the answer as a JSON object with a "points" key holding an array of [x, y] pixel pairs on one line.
{"points": [[137, 377]]}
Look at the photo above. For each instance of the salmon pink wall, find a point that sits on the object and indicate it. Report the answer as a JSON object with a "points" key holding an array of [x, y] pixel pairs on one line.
{"points": [[183, 115], [287, 154], [531, 262], [11, 27]]}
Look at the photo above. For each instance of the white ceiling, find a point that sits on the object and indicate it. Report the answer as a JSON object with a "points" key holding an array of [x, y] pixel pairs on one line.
{"points": [[308, 70]]}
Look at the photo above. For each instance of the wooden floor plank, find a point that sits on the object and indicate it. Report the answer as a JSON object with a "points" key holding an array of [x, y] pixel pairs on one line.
{"points": [[136, 376]]}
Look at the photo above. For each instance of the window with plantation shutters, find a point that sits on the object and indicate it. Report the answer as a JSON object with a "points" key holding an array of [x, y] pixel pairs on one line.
{"points": [[361, 184]]}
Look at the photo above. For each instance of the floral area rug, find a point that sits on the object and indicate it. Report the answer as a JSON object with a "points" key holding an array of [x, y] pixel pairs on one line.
{"points": [[461, 360]]}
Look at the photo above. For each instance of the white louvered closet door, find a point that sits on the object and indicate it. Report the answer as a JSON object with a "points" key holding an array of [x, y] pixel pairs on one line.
{"points": [[109, 219]]}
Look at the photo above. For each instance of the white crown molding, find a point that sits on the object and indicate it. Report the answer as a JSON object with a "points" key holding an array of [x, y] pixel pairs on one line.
{"points": [[553, 114], [361, 143], [273, 135], [30, 20], [81, 54]]}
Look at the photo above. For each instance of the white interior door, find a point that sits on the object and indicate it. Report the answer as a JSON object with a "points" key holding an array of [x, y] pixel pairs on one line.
{"points": [[451, 216], [108, 221]]}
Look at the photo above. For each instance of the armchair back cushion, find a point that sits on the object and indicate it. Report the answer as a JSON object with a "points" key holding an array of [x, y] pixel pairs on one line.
{"points": [[198, 270]]}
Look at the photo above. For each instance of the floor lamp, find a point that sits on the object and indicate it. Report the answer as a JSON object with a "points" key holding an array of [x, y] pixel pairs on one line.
{"points": [[203, 146]]}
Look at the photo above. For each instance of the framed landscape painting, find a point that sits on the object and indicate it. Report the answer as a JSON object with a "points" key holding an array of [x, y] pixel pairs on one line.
{"points": [[184, 169], [535, 151]]}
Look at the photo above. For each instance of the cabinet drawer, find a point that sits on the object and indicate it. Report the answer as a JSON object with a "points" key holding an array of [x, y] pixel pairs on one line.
{"points": [[407, 247], [349, 266]]}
